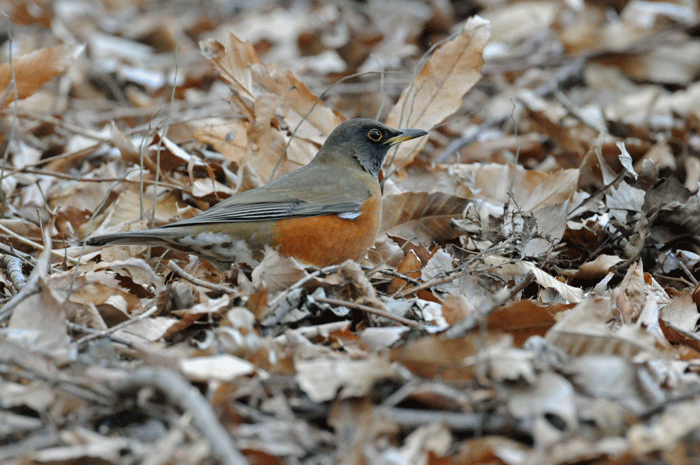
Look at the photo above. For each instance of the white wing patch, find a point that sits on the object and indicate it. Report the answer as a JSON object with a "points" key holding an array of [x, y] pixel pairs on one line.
{"points": [[349, 215]]}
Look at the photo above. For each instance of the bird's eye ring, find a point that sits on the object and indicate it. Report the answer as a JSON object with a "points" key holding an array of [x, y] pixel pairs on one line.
{"points": [[374, 135]]}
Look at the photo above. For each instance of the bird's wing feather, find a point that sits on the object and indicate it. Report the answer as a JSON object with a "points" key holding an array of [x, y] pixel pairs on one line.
{"points": [[291, 196]]}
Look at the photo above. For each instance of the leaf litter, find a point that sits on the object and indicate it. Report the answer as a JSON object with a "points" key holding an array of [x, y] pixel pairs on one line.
{"points": [[533, 294]]}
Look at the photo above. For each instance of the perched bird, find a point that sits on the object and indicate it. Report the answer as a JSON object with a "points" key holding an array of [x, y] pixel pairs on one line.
{"points": [[322, 214]]}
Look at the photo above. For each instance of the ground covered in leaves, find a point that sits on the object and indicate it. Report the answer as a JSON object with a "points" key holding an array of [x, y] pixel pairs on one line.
{"points": [[532, 297]]}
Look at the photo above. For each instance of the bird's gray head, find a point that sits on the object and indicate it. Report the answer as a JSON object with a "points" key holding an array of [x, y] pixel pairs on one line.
{"points": [[365, 140]]}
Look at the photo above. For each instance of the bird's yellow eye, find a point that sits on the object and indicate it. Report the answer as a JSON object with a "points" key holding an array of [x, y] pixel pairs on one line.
{"points": [[374, 135]]}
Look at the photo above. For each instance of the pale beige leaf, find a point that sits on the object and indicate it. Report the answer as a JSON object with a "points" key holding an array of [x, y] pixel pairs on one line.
{"points": [[444, 79], [203, 187], [39, 321], [598, 268], [127, 207], [585, 330], [681, 312], [148, 329], [676, 421], [277, 272], [233, 63], [230, 140], [522, 268], [529, 189], [628, 297], [37, 68], [222, 367], [320, 378]]}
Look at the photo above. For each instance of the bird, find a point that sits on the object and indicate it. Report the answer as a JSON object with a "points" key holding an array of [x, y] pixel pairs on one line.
{"points": [[322, 214]]}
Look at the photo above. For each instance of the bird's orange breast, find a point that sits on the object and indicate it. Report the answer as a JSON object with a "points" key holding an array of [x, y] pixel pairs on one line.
{"points": [[329, 240]]}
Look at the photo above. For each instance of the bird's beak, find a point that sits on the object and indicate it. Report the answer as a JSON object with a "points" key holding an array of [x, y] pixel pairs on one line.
{"points": [[404, 135]]}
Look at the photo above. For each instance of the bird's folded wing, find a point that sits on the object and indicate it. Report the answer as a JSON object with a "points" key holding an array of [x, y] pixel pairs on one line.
{"points": [[264, 211], [309, 191]]}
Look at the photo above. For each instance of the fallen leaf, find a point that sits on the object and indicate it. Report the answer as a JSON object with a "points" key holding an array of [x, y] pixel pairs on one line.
{"points": [[35, 69], [420, 215], [437, 91]]}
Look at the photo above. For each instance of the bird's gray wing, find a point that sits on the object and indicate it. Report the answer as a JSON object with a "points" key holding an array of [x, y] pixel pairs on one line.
{"points": [[291, 196]]}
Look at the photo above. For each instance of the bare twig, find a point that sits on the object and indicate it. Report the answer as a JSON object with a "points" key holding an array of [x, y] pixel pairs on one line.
{"points": [[488, 423], [181, 393], [107, 332], [323, 271], [99, 333], [35, 245], [83, 178], [367, 309], [465, 325], [32, 284], [9, 250], [199, 282], [434, 282], [13, 127]]}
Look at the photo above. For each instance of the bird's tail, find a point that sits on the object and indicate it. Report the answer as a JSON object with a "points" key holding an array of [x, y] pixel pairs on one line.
{"points": [[144, 237]]}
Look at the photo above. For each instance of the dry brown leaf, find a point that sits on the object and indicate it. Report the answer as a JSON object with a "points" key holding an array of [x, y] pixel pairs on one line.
{"points": [[432, 356], [127, 208], [515, 22], [149, 329], [682, 312], [211, 188], [673, 209], [598, 268], [411, 267], [425, 442], [629, 297], [616, 378], [457, 307], [444, 79], [421, 215], [39, 322], [115, 305], [529, 189], [230, 140], [490, 449], [357, 423], [574, 138], [36, 68], [525, 318], [522, 268], [274, 102], [585, 330], [277, 272], [670, 64]]}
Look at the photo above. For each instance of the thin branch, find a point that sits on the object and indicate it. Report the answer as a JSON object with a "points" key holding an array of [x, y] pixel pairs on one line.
{"points": [[107, 332], [472, 423], [200, 282], [33, 244], [499, 298], [181, 393], [367, 309]]}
